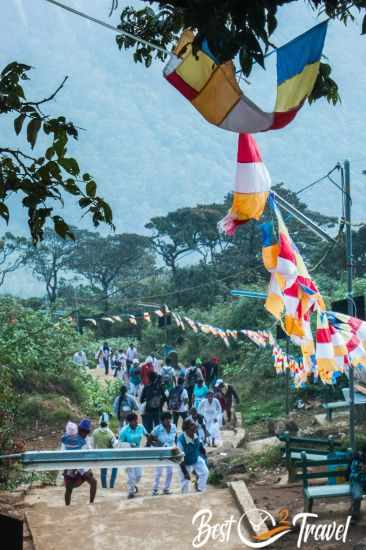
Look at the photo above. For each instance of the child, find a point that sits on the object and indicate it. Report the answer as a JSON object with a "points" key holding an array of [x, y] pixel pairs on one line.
{"points": [[191, 446], [103, 438], [358, 483], [132, 434], [165, 435], [74, 439]]}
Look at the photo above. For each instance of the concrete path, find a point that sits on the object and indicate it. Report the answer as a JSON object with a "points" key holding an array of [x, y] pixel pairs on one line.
{"points": [[113, 522]]}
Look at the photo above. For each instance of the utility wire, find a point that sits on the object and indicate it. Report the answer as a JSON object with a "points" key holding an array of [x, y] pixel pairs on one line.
{"points": [[108, 26]]}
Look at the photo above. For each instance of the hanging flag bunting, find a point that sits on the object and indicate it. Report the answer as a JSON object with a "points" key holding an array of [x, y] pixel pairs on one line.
{"points": [[109, 319], [212, 88], [325, 357], [92, 321], [159, 313], [132, 320], [252, 185], [117, 318], [291, 288]]}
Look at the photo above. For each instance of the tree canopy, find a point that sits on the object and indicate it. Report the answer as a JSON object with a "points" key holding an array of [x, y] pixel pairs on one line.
{"points": [[231, 27], [44, 178]]}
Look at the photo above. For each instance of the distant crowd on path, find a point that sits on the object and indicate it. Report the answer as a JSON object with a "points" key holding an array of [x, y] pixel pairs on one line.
{"points": [[162, 395]]}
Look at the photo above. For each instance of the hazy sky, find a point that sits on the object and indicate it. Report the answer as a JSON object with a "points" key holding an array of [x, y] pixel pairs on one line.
{"points": [[149, 151]]}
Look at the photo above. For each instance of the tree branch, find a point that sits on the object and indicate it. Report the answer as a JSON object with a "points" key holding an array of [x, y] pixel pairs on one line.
{"points": [[50, 98]]}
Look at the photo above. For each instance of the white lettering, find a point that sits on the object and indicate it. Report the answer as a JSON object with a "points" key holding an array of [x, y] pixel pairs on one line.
{"points": [[204, 528]]}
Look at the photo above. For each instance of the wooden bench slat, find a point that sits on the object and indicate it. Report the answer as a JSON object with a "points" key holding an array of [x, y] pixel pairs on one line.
{"points": [[327, 491]]}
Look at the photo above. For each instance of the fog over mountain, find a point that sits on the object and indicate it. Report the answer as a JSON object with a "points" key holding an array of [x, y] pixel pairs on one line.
{"points": [[148, 149]]}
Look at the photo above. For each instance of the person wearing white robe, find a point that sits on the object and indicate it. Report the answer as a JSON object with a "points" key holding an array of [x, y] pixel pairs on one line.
{"points": [[210, 409]]}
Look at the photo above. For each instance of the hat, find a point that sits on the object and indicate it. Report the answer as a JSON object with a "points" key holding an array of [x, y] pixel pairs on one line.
{"points": [[71, 428], [218, 382], [85, 424], [104, 418]]}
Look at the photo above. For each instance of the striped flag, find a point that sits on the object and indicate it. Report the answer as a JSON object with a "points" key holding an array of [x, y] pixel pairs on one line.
{"points": [[213, 90], [325, 357], [252, 185]]}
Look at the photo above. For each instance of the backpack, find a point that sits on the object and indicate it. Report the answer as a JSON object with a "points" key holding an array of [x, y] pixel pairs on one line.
{"points": [[154, 399], [192, 376], [175, 398], [166, 375]]}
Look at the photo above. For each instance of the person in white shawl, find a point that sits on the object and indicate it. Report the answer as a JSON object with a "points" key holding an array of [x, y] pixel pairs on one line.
{"points": [[210, 409]]}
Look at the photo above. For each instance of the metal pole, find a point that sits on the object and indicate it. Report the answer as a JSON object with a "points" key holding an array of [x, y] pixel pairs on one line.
{"points": [[302, 218], [346, 181], [287, 379]]}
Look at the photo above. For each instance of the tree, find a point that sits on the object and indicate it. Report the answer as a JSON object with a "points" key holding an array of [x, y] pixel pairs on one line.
{"points": [[10, 258], [45, 178], [106, 262], [49, 260], [188, 230], [232, 28]]}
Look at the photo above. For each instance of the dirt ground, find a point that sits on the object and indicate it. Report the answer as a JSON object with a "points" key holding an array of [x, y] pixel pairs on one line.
{"points": [[272, 498]]}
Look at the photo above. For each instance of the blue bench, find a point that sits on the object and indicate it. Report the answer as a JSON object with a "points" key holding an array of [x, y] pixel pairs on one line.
{"points": [[316, 449], [336, 467]]}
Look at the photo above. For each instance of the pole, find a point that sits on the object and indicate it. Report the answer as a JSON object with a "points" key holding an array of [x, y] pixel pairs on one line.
{"points": [[287, 378], [346, 184]]}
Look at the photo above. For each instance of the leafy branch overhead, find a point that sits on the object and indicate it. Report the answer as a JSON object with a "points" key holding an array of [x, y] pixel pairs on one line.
{"points": [[45, 179], [232, 28]]}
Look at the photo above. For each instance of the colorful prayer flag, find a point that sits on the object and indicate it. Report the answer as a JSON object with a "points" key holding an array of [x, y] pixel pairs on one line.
{"points": [[213, 90], [252, 185]]}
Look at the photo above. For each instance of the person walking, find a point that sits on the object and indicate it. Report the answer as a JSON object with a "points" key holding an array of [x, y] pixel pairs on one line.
{"points": [[210, 409], [200, 391], [135, 378], [230, 395], [132, 435], [152, 399], [75, 438], [146, 369], [104, 358], [193, 374], [131, 355], [167, 376], [178, 401], [199, 420], [103, 438], [164, 435], [190, 445], [123, 405]]}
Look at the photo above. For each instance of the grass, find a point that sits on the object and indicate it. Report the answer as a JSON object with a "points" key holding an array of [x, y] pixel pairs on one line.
{"points": [[268, 458]]}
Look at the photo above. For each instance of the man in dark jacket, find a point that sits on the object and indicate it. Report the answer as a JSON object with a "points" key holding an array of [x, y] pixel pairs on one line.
{"points": [[229, 394]]}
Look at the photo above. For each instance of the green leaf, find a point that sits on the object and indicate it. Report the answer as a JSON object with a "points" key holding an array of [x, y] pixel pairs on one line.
{"points": [[84, 201], [4, 212], [32, 131], [91, 188], [363, 31], [62, 228], [70, 165], [49, 153], [18, 124]]}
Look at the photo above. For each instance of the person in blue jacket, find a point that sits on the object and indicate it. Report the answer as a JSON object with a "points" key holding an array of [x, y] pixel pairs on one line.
{"points": [[358, 483], [190, 444]]}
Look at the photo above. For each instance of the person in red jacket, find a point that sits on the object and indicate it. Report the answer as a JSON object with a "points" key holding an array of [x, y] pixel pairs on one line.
{"points": [[146, 369]]}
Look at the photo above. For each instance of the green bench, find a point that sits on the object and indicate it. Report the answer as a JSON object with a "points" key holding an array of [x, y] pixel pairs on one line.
{"points": [[334, 406], [359, 401], [336, 467], [316, 450]]}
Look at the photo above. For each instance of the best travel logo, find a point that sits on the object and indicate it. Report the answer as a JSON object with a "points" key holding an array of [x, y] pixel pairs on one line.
{"points": [[302, 523]]}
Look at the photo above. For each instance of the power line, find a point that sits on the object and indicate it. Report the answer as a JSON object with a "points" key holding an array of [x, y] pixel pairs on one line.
{"points": [[108, 26]]}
